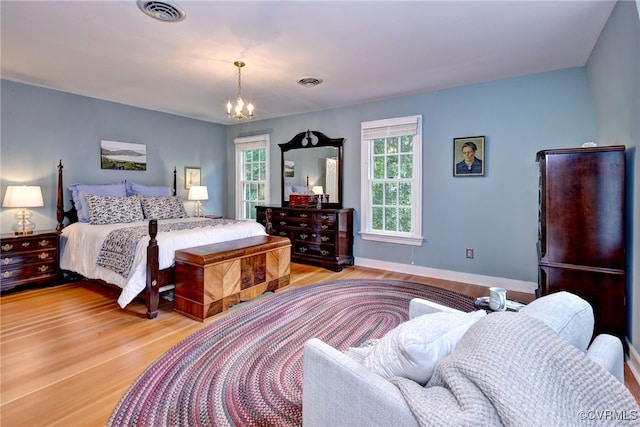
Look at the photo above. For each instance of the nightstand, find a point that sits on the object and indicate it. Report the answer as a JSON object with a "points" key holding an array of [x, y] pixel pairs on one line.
{"points": [[29, 259]]}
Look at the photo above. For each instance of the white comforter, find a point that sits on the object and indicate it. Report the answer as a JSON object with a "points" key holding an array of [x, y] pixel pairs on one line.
{"points": [[81, 242]]}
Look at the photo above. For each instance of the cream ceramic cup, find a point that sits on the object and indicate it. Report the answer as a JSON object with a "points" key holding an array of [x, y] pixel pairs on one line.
{"points": [[497, 299]]}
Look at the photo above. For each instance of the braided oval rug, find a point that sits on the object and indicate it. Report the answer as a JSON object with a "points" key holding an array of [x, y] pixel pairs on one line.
{"points": [[245, 369]]}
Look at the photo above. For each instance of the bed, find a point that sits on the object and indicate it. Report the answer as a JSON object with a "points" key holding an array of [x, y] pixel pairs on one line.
{"points": [[112, 240]]}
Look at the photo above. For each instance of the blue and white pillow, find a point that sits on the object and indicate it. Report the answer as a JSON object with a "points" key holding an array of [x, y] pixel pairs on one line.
{"points": [[79, 191], [113, 209], [163, 207]]}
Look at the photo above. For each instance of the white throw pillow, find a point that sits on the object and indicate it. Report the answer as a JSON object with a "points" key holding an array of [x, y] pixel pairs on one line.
{"points": [[413, 349]]}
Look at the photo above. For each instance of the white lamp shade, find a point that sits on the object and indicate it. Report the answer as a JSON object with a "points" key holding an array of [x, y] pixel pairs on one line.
{"points": [[23, 196], [198, 192], [317, 189]]}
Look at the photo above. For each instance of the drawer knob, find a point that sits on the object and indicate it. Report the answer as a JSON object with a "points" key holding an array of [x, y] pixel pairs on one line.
{"points": [[325, 217], [7, 274], [282, 213], [324, 238], [26, 244], [43, 243], [43, 268], [7, 261], [283, 222], [323, 252], [43, 255], [324, 227], [303, 215], [304, 224], [283, 233], [304, 236], [7, 247], [303, 249]]}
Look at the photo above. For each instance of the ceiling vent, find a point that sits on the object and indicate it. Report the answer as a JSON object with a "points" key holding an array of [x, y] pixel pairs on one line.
{"points": [[309, 81], [165, 11]]}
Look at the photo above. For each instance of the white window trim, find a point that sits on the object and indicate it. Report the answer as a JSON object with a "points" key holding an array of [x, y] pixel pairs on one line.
{"points": [[384, 128], [250, 143]]}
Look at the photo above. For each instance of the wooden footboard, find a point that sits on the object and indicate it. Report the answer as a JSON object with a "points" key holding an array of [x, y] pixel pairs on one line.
{"points": [[156, 278]]}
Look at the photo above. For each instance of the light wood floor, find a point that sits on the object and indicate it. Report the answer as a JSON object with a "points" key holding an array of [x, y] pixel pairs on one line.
{"points": [[69, 353]]}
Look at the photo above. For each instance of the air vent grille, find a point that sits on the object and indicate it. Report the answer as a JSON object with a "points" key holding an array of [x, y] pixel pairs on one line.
{"points": [[164, 11], [309, 81]]}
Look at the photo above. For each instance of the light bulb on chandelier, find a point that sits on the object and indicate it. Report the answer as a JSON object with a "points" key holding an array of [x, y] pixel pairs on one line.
{"points": [[238, 110]]}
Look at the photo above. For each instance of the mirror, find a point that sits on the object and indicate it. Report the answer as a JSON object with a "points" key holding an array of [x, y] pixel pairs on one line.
{"points": [[311, 163]]}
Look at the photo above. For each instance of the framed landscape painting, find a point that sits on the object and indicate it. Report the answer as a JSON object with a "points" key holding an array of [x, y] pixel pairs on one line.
{"points": [[123, 156], [469, 156]]}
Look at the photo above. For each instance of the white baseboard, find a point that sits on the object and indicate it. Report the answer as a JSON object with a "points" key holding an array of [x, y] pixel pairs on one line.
{"points": [[456, 276], [633, 362]]}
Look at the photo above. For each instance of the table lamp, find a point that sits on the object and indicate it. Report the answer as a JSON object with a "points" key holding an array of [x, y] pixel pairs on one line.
{"points": [[23, 196], [197, 193]]}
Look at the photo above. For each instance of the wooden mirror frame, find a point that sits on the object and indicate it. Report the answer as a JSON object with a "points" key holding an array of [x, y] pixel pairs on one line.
{"points": [[304, 140]]}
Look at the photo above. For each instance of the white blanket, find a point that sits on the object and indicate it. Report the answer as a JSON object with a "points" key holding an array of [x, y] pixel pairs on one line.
{"points": [[80, 243], [510, 369]]}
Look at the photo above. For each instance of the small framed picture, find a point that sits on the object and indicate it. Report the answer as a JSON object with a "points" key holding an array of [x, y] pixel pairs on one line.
{"points": [[469, 156], [191, 177]]}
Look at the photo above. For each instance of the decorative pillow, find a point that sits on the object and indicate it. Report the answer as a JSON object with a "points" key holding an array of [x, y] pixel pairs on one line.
{"points": [[147, 190], [567, 314], [413, 349], [163, 207], [113, 209], [78, 192]]}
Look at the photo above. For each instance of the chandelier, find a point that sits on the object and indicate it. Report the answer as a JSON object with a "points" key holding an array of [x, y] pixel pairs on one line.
{"points": [[238, 111]]}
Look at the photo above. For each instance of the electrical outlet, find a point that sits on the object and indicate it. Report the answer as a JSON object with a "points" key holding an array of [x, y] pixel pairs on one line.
{"points": [[469, 253]]}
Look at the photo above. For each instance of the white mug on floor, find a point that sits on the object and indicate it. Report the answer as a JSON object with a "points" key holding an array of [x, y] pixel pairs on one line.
{"points": [[497, 299]]}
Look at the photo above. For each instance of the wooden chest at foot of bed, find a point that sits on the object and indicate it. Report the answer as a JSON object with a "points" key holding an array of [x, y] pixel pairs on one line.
{"points": [[211, 278]]}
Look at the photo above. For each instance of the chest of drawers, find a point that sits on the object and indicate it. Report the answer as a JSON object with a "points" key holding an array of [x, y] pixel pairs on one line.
{"points": [[322, 237], [29, 259]]}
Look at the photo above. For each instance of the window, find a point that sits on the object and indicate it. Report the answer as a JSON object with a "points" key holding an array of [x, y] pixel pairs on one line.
{"points": [[391, 182], [252, 171]]}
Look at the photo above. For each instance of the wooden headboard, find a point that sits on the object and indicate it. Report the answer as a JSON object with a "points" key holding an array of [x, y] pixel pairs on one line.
{"points": [[72, 214]]}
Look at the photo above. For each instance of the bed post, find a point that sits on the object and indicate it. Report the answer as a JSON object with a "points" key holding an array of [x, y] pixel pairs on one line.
{"points": [[175, 187], [153, 292], [60, 200]]}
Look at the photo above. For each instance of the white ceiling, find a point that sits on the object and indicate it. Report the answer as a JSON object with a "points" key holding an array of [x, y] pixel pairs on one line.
{"points": [[363, 50]]}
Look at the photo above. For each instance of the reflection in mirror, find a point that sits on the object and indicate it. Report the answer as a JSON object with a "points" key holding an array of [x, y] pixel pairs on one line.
{"points": [[312, 164], [313, 170]]}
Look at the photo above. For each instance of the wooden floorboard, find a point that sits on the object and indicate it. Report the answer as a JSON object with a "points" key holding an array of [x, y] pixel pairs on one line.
{"points": [[69, 353]]}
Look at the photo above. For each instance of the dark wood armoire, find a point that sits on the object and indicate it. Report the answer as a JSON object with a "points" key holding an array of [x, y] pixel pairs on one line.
{"points": [[581, 234]]}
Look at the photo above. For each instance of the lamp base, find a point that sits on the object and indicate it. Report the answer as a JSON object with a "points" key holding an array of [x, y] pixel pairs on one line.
{"points": [[23, 226]]}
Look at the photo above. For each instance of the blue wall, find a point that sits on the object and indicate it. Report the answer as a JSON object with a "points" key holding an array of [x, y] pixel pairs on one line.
{"points": [[496, 215], [614, 77], [41, 126]]}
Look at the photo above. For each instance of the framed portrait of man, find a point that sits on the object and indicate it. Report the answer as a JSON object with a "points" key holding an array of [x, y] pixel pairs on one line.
{"points": [[469, 156]]}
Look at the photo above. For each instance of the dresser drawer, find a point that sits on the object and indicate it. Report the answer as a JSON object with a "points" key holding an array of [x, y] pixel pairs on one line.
{"points": [[29, 259], [321, 237], [293, 222], [325, 217], [327, 251], [27, 272], [20, 257], [315, 237], [24, 245]]}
